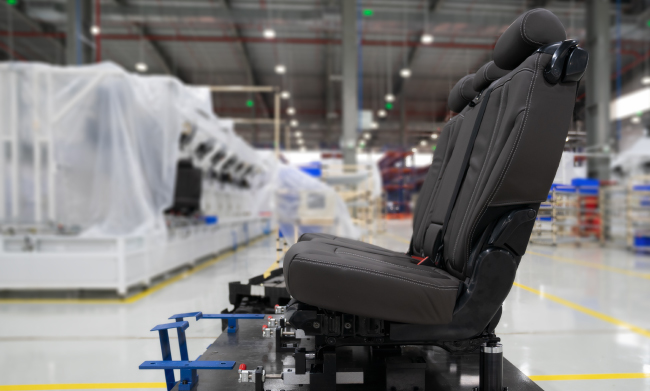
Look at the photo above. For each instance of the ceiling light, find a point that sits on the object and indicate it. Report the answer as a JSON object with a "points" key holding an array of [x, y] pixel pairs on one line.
{"points": [[645, 80], [635, 120], [374, 125], [293, 123], [426, 39], [414, 150], [381, 113], [405, 73], [567, 139], [285, 95], [303, 149], [269, 33], [298, 134], [300, 141], [390, 98], [434, 136], [95, 30], [291, 111], [423, 143], [366, 136], [141, 67], [280, 69]]}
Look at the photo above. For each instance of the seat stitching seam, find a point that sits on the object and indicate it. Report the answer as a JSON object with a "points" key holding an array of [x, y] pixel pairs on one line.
{"points": [[513, 150], [391, 264], [522, 29], [480, 175], [484, 207], [460, 90], [376, 260], [436, 189], [373, 272], [497, 124]]}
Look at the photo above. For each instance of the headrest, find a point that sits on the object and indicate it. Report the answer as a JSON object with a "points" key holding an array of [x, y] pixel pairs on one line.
{"points": [[486, 75], [461, 94], [533, 29]]}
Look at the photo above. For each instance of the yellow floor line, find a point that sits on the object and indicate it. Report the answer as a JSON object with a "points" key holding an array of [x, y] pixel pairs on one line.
{"points": [[136, 297], [599, 376], [619, 270], [110, 386], [81, 386], [586, 310], [274, 265]]}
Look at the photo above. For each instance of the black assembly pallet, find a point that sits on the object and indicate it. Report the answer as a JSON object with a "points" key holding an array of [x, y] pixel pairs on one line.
{"points": [[261, 293], [444, 371]]}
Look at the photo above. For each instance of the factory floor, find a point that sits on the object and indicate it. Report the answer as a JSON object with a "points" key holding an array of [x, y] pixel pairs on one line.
{"points": [[578, 318]]}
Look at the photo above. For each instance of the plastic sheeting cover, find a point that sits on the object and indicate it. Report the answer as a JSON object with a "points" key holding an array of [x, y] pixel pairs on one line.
{"points": [[108, 139], [282, 194], [634, 161]]}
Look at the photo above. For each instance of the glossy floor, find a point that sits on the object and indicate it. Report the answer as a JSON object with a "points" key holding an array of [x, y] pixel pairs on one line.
{"points": [[574, 311]]}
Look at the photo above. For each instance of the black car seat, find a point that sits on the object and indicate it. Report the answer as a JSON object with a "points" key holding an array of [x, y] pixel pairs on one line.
{"points": [[505, 156], [460, 96]]}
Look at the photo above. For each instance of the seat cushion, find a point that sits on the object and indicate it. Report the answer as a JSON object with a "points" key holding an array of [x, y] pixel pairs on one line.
{"points": [[368, 284], [350, 243]]}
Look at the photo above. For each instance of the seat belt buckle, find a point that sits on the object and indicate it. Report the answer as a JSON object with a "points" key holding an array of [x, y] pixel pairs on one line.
{"points": [[426, 261], [438, 257]]}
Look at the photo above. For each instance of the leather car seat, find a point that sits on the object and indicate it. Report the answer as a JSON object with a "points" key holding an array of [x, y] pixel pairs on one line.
{"points": [[475, 226]]}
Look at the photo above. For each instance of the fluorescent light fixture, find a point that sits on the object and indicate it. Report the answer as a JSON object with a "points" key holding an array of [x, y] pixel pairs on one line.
{"points": [[374, 125], [293, 123], [381, 113], [426, 39], [285, 95], [291, 111], [390, 98], [298, 134], [141, 67], [423, 143], [95, 30], [630, 104], [269, 33], [280, 69], [405, 73], [645, 80], [434, 136], [635, 120]]}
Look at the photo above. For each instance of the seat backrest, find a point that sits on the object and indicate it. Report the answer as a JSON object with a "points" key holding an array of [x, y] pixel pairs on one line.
{"points": [[517, 149], [461, 94]]}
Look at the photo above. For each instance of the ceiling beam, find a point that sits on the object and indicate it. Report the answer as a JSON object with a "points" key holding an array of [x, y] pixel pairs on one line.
{"points": [[477, 45], [39, 28], [398, 86], [252, 77], [154, 47], [161, 56]]}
